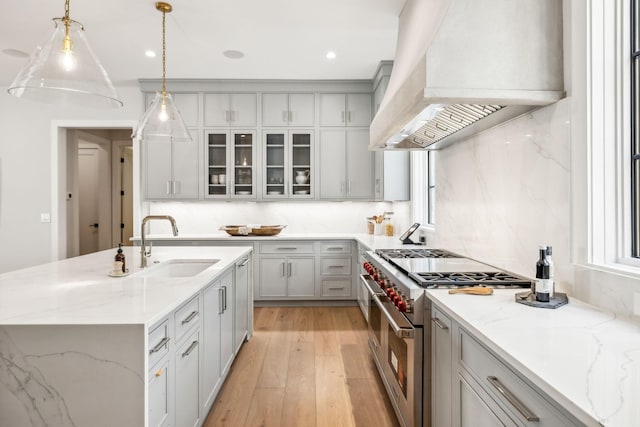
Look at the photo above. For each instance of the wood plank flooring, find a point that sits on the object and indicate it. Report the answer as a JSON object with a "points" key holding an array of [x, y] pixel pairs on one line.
{"points": [[304, 367]]}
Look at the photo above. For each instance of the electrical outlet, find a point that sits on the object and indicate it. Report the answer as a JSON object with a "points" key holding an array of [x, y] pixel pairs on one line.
{"points": [[636, 303], [45, 217]]}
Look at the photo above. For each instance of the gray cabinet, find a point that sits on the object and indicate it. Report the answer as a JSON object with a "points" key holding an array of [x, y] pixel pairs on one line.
{"points": [[170, 170], [241, 293], [346, 164], [211, 376], [288, 109], [230, 110], [338, 109], [472, 387], [226, 323], [187, 362], [392, 176], [231, 159], [287, 277], [441, 368], [288, 166], [335, 268]]}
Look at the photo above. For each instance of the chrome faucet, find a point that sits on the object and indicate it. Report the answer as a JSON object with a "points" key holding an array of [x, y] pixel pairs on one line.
{"points": [[143, 241]]}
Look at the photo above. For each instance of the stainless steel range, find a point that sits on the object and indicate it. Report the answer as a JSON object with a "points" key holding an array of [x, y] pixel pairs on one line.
{"points": [[394, 283]]}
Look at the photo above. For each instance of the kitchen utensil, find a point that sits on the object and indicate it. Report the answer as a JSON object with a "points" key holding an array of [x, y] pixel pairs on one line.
{"points": [[473, 290], [302, 177], [213, 179]]}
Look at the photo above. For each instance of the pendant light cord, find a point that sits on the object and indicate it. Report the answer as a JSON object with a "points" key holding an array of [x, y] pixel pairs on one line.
{"points": [[164, 54]]}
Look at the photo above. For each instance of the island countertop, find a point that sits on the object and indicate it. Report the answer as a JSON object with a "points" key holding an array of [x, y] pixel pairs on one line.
{"points": [[79, 291]]}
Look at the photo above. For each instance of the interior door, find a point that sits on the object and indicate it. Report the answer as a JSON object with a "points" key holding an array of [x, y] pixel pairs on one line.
{"points": [[88, 163]]}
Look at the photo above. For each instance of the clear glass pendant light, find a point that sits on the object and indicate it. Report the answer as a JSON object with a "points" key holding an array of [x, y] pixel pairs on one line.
{"points": [[162, 120], [65, 70]]}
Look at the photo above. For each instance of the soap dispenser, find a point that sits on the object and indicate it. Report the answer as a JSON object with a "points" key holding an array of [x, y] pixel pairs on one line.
{"points": [[120, 263]]}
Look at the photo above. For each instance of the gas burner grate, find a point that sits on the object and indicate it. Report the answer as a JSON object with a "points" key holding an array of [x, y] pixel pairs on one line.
{"points": [[496, 279], [415, 253]]}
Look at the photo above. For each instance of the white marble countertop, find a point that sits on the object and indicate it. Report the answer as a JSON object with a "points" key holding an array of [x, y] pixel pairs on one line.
{"points": [[585, 358], [79, 290]]}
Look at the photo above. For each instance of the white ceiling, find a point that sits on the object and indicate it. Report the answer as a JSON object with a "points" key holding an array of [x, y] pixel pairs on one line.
{"points": [[282, 39]]}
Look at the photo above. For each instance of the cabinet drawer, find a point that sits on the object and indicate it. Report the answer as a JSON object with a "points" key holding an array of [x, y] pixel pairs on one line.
{"points": [[335, 247], [186, 317], [287, 248], [336, 288], [509, 391], [158, 342], [335, 266]]}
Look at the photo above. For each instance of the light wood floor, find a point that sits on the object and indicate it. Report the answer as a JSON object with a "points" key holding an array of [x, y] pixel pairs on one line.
{"points": [[304, 367]]}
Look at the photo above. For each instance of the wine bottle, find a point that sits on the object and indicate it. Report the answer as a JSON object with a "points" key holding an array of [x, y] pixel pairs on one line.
{"points": [[542, 276]]}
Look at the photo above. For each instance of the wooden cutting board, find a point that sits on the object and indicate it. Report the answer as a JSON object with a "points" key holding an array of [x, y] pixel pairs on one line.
{"points": [[474, 290]]}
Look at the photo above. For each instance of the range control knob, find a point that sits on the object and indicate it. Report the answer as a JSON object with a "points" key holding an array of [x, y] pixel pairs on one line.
{"points": [[402, 305], [391, 293], [397, 298], [409, 306]]}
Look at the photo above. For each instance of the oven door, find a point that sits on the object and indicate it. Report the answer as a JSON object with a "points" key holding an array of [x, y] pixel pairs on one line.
{"points": [[400, 362], [370, 289]]}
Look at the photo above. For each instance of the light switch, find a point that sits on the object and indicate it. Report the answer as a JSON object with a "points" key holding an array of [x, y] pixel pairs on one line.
{"points": [[45, 217]]}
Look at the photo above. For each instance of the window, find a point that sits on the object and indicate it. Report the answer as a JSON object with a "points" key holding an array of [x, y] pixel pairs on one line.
{"points": [[635, 128], [423, 190]]}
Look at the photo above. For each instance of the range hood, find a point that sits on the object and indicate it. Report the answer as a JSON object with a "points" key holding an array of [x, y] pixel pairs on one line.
{"points": [[463, 66]]}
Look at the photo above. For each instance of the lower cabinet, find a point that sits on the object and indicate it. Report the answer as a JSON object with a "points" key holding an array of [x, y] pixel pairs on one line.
{"points": [[187, 360], [305, 270], [472, 387], [191, 350]]}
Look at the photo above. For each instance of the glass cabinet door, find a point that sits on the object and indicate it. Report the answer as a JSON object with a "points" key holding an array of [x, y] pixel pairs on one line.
{"points": [[301, 164], [243, 164], [217, 146], [274, 165]]}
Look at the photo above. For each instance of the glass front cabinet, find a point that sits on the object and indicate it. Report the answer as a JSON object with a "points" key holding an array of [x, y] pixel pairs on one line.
{"points": [[231, 164], [288, 164]]}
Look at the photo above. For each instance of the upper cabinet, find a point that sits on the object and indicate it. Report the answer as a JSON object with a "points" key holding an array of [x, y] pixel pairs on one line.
{"points": [[230, 110], [288, 109], [352, 109], [231, 164], [288, 164]]}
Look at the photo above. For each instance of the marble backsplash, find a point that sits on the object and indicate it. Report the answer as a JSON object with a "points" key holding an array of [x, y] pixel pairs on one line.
{"points": [[504, 191], [300, 217]]}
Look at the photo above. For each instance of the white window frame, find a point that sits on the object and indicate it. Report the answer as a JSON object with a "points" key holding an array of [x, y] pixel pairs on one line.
{"points": [[421, 179], [609, 135]]}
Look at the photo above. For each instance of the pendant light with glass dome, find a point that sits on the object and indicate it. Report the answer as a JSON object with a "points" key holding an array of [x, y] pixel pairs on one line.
{"points": [[65, 70], [162, 120]]}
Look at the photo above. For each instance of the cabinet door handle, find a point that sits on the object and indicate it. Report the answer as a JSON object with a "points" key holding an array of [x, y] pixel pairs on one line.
{"points": [[168, 187], [290, 116], [439, 324], [349, 188], [288, 269], [226, 116], [349, 116], [220, 301], [175, 187], [159, 346], [342, 187], [190, 317], [243, 263], [190, 349], [282, 274], [224, 299], [512, 399], [284, 116]]}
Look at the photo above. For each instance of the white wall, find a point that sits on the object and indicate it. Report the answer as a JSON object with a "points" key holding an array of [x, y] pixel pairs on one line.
{"points": [[25, 171]]}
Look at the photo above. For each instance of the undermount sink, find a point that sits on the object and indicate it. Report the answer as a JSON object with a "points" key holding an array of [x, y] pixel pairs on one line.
{"points": [[178, 268]]}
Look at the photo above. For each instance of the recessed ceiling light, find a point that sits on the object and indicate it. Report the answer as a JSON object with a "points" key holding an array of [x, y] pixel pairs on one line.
{"points": [[331, 55], [150, 53], [15, 52], [233, 54]]}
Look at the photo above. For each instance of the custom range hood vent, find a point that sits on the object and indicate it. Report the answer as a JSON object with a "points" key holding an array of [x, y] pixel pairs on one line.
{"points": [[463, 66]]}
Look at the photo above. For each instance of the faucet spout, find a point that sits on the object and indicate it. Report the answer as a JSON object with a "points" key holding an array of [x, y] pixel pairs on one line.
{"points": [[143, 237]]}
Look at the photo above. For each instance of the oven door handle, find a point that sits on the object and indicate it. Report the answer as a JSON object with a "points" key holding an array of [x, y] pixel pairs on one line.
{"points": [[365, 279], [397, 329]]}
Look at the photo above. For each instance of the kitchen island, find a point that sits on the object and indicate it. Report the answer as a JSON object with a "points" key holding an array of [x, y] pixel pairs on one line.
{"points": [[76, 344]]}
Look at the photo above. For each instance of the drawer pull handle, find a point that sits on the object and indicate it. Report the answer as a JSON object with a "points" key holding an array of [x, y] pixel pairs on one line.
{"points": [[336, 266], [286, 249], [512, 399], [243, 263], [439, 324], [336, 288], [334, 248], [190, 317], [159, 346], [190, 349]]}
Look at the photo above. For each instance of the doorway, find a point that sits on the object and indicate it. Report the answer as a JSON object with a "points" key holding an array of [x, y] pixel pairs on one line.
{"points": [[99, 190]]}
